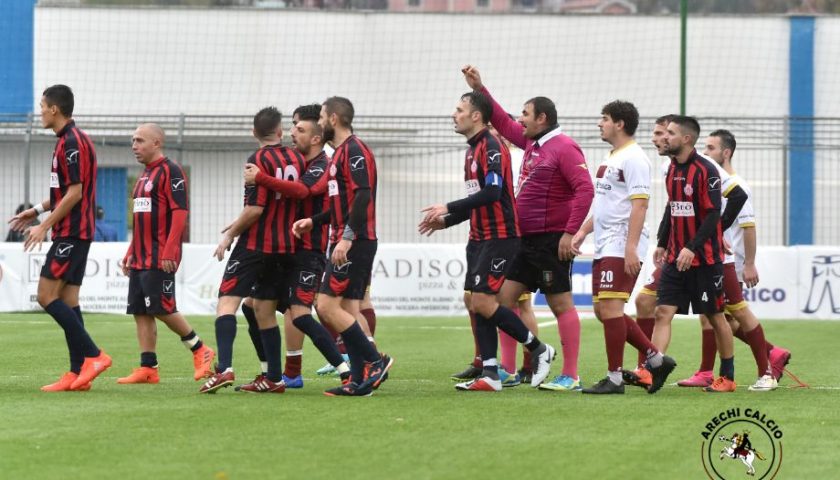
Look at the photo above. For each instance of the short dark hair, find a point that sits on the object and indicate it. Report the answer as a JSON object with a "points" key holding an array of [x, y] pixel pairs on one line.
{"points": [[621, 111], [341, 107], [546, 106], [308, 112], [688, 125], [60, 96], [727, 140], [479, 102], [266, 121], [665, 119]]}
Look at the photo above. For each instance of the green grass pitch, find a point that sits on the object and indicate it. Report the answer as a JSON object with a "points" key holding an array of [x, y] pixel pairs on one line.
{"points": [[415, 426]]}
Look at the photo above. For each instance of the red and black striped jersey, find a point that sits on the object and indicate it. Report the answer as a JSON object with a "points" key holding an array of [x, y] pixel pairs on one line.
{"points": [[498, 219], [160, 190], [353, 167], [315, 179], [74, 161], [694, 190], [272, 232]]}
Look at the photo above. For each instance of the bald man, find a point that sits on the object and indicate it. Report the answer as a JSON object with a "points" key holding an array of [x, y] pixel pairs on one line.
{"points": [[160, 216]]}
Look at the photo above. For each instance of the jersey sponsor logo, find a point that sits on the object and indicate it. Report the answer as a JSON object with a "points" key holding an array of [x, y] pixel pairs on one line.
{"points": [[714, 183], [332, 187], [63, 250], [494, 157], [689, 190], [497, 265], [472, 186], [307, 278], [54, 180], [357, 163], [142, 205], [682, 209], [72, 157], [178, 184]]}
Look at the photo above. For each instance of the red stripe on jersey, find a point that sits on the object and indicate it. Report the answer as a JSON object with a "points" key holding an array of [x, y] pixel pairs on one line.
{"points": [[353, 167], [74, 161], [315, 178], [499, 219], [272, 232]]}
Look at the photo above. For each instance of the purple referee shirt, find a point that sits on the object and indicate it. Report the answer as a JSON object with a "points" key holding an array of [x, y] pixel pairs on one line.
{"points": [[555, 190]]}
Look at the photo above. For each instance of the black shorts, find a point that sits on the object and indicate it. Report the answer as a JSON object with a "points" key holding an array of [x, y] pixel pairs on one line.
{"points": [[537, 266], [350, 280], [488, 262], [272, 281], [241, 272], [66, 260], [306, 276], [151, 292], [701, 287]]}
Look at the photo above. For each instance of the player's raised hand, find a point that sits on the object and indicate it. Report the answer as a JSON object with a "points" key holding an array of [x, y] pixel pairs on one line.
{"points": [[472, 77], [250, 174], [304, 225], [19, 222]]}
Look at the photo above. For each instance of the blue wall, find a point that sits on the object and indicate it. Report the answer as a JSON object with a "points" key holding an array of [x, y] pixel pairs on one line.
{"points": [[16, 47], [801, 132]]}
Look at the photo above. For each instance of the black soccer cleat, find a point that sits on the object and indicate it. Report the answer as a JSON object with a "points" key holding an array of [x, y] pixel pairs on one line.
{"points": [[349, 389], [524, 376], [471, 372], [605, 387], [660, 373]]}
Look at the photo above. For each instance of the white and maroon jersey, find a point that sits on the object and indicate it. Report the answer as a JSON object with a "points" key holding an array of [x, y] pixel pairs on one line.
{"points": [[735, 234], [727, 183], [623, 176]]}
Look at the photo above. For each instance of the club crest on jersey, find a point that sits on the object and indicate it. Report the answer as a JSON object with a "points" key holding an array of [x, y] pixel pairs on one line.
{"points": [[55, 162], [149, 186], [688, 189], [333, 170], [473, 167]]}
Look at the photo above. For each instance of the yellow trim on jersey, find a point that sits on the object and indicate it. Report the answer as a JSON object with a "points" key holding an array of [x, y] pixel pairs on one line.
{"points": [[747, 225], [734, 308], [467, 292], [594, 299], [729, 190], [626, 145], [639, 195], [524, 297], [611, 295], [646, 291]]}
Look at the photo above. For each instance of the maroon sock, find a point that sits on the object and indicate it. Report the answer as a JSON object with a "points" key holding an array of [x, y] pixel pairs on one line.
{"points": [[293, 364], [708, 350], [638, 339], [615, 333], [526, 360], [758, 345], [646, 325], [370, 316]]}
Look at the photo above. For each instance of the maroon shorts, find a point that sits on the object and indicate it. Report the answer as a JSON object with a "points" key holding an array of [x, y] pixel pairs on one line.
{"points": [[732, 292], [652, 283], [609, 279]]}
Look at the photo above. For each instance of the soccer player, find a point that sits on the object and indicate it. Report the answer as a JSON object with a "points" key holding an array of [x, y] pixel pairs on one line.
{"points": [[738, 266], [494, 239], [351, 187], [690, 247], [72, 204], [154, 254], [553, 201], [310, 258], [622, 190]]}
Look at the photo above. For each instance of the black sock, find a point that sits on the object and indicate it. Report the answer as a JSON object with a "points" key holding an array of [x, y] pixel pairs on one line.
{"points": [[488, 338], [68, 320], [192, 341], [254, 331], [491, 371], [511, 324], [148, 359], [225, 335], [727, 368], [320, 338], [359, 349], [271, 340], [76, 355]]}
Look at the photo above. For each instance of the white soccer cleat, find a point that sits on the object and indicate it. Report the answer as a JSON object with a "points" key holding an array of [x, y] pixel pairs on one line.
{"points": [[480, 384], [542, 366], [764, 384]]}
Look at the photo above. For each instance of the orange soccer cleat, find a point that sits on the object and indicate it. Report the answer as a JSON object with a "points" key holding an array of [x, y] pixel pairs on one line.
{"points": [[91, 368], [721, 385], [141, 375], [203, 362], [63, 384]]}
